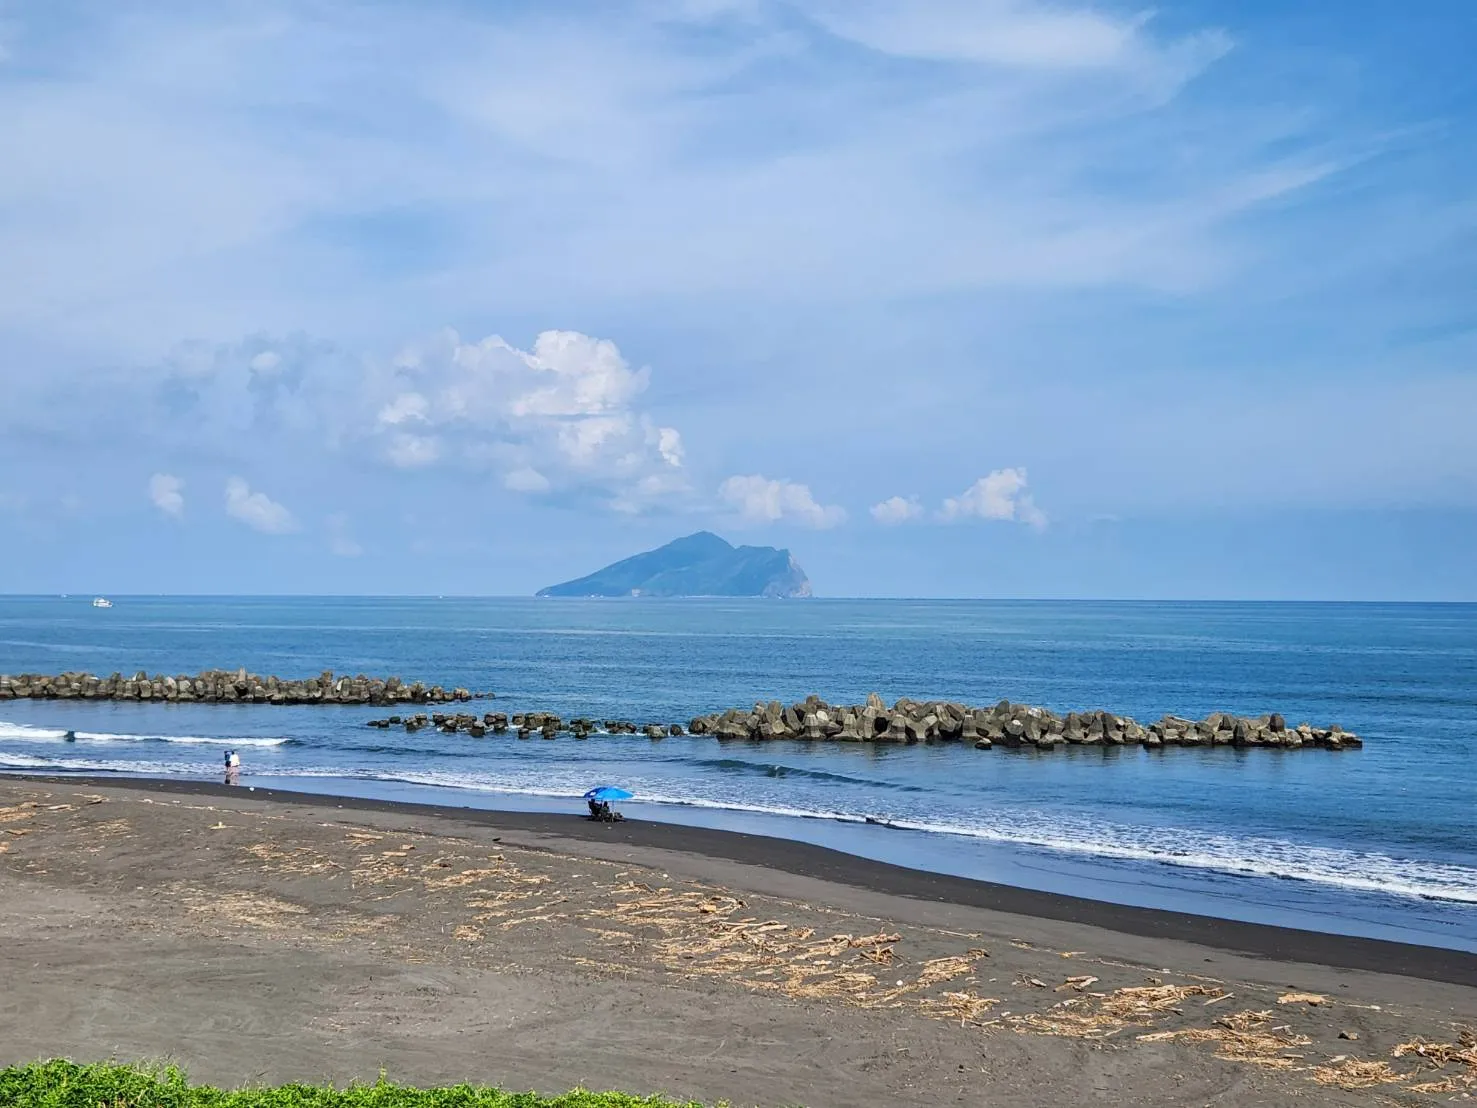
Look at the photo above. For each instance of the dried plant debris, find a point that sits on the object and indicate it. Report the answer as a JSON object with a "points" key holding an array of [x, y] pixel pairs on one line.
{"points": [[300, 859], [1101, 1015], [1079, 984], [251, 909], [966, 1008], [626, 923], [1462, 1052], [1435, 1057], [1245, 1036], [1355, 1073]]}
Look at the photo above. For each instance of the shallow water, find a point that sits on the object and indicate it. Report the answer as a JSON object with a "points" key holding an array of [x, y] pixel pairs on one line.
{"points": [[1378, 841]]}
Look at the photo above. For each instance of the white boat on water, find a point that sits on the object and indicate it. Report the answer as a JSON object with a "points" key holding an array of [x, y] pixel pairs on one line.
{"points": [[102, 602]]}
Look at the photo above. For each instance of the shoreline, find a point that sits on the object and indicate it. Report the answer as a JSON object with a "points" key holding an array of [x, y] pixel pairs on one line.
{"points": [[541, 952], [1268, 942]]}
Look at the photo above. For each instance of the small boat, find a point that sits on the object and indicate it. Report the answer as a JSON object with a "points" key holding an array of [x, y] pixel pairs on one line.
{"points": [[102, 602]]}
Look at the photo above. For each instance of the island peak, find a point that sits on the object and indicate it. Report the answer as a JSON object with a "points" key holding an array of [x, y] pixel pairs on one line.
{"points": [[700, 564]]}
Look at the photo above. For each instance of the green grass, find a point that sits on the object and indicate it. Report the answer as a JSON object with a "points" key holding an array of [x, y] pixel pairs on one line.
{"points": [[60, 1084]]}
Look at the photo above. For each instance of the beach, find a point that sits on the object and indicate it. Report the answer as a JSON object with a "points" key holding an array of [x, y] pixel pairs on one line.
{"points": [[1373, 841], [268, 936]]}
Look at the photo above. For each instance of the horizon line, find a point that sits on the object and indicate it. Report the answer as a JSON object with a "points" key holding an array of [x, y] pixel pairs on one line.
{"points": [[761, 599]]}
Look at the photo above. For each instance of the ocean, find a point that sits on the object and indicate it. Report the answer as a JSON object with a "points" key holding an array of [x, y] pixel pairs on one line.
{"points": [[1380, 841]]}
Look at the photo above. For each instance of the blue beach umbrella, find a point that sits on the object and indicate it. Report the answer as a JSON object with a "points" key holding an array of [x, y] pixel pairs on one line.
{"points": [[607, 792]]}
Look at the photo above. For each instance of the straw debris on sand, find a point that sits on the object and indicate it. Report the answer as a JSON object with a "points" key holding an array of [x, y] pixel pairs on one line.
{"points": [[1314, 999], [1244, 1037], [1436, 1057], [624, 921]]}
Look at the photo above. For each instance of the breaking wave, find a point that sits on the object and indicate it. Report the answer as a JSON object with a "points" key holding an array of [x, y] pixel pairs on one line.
{"points": [[23, 732]]}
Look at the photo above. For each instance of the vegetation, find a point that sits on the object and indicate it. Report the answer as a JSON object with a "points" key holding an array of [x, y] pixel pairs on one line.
{"points": [[60, 1084]]}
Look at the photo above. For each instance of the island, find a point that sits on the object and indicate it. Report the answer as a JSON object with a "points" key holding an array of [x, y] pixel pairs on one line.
{"points": [[702, 564]]}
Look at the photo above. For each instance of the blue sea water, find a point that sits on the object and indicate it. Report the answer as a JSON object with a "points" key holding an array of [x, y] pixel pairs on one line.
{"points": [[1380, 841]]}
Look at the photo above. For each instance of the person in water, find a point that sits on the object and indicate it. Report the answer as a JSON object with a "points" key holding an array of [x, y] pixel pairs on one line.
{"points": [[69, 737]]}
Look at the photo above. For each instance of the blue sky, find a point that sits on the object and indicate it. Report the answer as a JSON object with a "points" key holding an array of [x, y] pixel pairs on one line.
{"points": [[951, 297]]}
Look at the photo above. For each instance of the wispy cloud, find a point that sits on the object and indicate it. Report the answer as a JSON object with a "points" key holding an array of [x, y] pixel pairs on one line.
{"points": [[531, 155], [166, 492], [1009, 33], [340, 537], [853, 240], [257, 510], [526, 479]]}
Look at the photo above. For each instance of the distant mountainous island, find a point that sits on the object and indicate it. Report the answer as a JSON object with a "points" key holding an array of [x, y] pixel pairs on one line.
{"points": [[698, 565]]}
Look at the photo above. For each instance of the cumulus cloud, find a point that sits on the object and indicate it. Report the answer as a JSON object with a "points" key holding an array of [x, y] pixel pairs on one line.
{"points": [[561, 416], [759, 499], [405, 408], [257, 510], [999, 495], [895, 510], [167, 493], [340, 541]]}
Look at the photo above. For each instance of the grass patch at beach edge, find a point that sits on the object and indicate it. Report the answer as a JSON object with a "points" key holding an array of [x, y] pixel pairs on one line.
{"points": [[63, 1084]]}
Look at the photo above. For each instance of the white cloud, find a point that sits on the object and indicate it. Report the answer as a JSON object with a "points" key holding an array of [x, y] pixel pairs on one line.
{"points": [[1004, 33], [404, 408], [526, 479], [762, 500], [167, 494], [257, 510], [569, 409], [895, 510], [1000, 495], [575, 375], [561, 416], [412, 451], [668, 444], [340, 541], [228, 171], [252, 169]]}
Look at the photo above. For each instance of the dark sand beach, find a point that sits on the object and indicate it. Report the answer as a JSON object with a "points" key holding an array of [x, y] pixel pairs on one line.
{"points": [[255, 936]]}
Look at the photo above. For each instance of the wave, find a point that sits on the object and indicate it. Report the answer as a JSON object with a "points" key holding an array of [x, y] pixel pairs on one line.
{"points": [[1251, 856], [1360, 871], [1241, 856], [23, 732], [31, 763], [779, 770]]}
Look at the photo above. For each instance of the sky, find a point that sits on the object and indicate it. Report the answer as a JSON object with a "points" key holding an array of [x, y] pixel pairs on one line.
{"points": [[986, 298]]}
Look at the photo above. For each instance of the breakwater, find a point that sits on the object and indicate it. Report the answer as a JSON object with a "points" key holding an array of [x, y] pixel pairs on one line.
{"points": [[914, 721], [218, 686]]}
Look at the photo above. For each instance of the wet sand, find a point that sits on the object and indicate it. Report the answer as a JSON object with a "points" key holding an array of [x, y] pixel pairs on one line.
{"points": [[273, 936]]}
